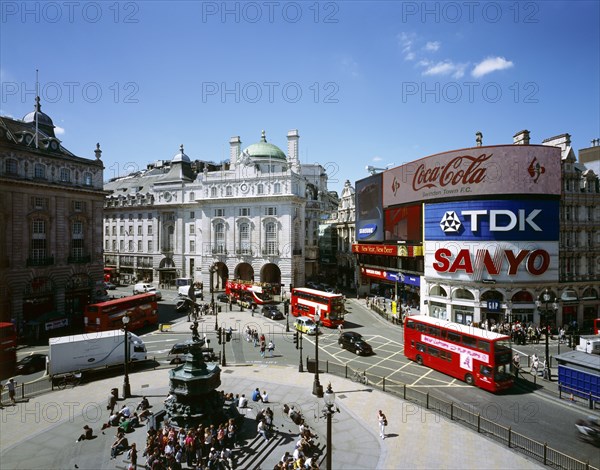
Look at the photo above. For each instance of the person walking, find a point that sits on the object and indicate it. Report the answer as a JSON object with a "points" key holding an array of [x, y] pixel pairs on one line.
{"points": [[382, 423], [535, 364], [271, 347], [11, 385]]}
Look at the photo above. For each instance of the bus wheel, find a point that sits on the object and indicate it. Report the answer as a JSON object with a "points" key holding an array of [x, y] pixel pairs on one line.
{"points": [[469, 379], [419, 360]]}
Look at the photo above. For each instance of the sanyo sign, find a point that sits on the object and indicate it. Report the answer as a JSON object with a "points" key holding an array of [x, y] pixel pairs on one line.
{"points": [[492, 220]]}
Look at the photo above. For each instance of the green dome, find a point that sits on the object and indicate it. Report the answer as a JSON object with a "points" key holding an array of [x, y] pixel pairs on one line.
{"points": [[263, 149]]}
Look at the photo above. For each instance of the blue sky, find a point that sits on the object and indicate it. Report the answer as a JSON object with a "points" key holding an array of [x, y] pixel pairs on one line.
{"points": [[364, 82]]}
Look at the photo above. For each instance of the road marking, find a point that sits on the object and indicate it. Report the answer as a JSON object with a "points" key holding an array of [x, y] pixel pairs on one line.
{"points": [[422, 377]]}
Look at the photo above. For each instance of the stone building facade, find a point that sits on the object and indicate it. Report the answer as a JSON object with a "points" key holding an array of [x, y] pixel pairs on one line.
{"points": [[51, 206], [249, 218]]}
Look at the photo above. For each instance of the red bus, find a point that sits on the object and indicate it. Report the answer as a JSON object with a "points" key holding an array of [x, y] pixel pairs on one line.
{"points": [[104, 316], [8, 349], [597, 326], [252, 292], [479, 357], [111, 275], [305, 302]]}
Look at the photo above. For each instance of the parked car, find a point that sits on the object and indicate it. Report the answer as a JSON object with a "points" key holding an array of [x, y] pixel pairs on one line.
{"points": [[143, 287], [223, 297], [354, 342], [305, 325], [109, 286], [31, 364], [272, 312]]}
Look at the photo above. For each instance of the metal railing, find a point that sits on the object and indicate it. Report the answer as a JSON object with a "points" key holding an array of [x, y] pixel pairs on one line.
{"points": [[505, 435]]}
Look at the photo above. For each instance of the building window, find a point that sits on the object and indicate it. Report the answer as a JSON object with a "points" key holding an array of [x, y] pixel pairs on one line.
{"points": [[149, 216], [150, 246], [192, 229], [87, 179], [130, 246], [65, 175], [192, 246], [271, 238], [245, 239], [107, 230], [78, 206], [139, 246], [219, 238], [122, 245], [213, 192], [277, 188], [39, 203], [149, 232], [121, 230], [270, 210], [229, 191], [106, 245], [114, 245], [192, 197], [260, 189], [192, 215], [77, 239], [38, 240], [114, 230], [11, 166], [219, 212], [244, 212], [39, 171], [139, 230]]}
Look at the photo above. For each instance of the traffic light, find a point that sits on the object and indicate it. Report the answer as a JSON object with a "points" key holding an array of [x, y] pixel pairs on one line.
{"points": [[219, 335], [296, 339], [286, 307], [227, 335]]}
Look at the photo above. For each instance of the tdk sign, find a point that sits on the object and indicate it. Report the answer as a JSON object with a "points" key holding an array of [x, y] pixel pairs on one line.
{"points": [[367, 231], [492, 220]]}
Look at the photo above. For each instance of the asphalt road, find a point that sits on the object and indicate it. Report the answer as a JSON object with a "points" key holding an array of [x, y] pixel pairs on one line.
{"points": [[536, 415]]}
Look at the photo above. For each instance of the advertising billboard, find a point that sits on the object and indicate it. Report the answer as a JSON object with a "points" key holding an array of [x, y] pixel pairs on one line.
{"points": [[508, 220], [492, 261], [404, 224], [369, 209], [474, 172]]}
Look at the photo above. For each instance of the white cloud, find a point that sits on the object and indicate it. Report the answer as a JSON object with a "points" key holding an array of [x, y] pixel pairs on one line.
{"points": [[406, 42], [377, 159], [432, 46], [350, 66], [59, 130], [444, 68], [489, 65]]}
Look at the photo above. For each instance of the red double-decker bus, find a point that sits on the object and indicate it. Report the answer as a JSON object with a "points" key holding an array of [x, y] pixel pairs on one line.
{"points": [[104, 316], [479, 357], [8, 349], [259, 293], [305, 303]]}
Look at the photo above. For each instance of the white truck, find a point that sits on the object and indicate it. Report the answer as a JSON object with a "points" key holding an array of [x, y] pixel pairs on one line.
{"points": [[92, 350], [589, 344]]}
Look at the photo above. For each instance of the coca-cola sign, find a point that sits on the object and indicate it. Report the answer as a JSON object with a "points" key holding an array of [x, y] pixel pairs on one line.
{"points": [[476, 171]]}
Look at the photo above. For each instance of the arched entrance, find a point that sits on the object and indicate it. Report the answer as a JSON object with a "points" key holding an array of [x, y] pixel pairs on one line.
{"points": [[244, 272], [271, 274], [166, 272]]}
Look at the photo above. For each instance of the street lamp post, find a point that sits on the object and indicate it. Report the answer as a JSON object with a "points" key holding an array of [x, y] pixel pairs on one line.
{"points": [[329, 399], [317, 387], [300, 366], [126, 385], [213, 270], [547, 298], [286, 308]]}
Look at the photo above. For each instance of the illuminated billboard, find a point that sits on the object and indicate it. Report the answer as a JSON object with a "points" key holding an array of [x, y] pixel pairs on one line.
{"points": [[478, 261], [369, 209], [474, 172], [509, 220], [404, 224]]}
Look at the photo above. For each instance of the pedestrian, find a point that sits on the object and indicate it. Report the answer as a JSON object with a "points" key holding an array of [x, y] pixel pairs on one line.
{"points": [[516, 363], [262, 349], [271, 347], [382, 423], [11, 385], [535, 364], [340, 329], [132, 456]]}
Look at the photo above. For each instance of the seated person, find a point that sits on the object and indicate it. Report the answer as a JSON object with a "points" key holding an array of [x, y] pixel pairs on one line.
{"points": [[87, 434], [126, 425], [125, 412], [256, 395], [135, 420], [144, 404], [120, 445], [144, 415], [243, 403], [264, 397], [112, 421]]}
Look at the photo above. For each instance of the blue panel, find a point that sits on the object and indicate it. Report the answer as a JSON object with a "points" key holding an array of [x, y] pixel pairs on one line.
{"points": [[510, 220]]}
